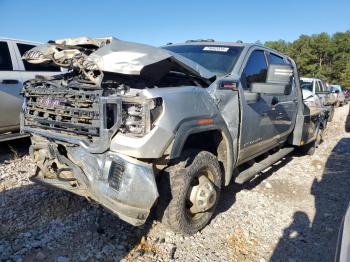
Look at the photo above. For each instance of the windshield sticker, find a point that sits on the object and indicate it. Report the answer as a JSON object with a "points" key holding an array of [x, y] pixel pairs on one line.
{"points": [[216, 48]]}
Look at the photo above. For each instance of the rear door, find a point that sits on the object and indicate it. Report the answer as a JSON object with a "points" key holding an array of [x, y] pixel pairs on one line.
{"points": [[10, 87], [329, 97], [257, 129], [284, 107], [320, 92]]}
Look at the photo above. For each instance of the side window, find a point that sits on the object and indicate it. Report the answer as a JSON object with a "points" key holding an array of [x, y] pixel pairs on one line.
{"points": [[323, 86], [256, 69], [35, 67], [5, 57], [275, 59], [318, 87]]}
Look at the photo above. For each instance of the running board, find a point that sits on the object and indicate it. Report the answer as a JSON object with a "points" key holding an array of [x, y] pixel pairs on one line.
{"points": [[11, 136], [256, 168]]}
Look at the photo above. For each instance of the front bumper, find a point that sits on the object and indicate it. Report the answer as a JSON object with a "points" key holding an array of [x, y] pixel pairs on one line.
{"points": [[124, 185]]}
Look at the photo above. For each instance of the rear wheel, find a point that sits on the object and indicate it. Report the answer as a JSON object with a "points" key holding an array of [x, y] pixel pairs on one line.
{"points": [[331, 114], [310, 148], [195, 189]]}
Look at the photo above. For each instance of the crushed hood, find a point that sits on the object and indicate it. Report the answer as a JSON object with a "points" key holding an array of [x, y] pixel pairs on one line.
{"points": [[94, 56]]}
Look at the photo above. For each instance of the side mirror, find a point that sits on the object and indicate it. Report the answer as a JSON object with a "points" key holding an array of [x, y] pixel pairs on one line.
{"points": [[278, 81]]}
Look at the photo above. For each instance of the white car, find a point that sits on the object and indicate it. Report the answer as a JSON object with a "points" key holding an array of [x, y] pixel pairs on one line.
{"points": [[13, 72]]}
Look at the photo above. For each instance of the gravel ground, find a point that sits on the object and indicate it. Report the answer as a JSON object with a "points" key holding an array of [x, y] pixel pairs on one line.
{"points": [[291, 212]]}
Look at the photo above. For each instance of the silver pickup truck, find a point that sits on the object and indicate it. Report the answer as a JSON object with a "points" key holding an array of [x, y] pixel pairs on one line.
{"points": [[323, 91], [134, 127], [13, 72]]}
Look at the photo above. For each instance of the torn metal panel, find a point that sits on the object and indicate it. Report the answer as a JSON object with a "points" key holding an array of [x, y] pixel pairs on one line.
{"points": [[313, 103], [85, 41], [91, 57], [125, 186], [127, 58]]}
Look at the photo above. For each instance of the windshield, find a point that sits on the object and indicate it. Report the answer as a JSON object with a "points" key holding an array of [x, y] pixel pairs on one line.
{"points": [[306, 85], [217, 59]]}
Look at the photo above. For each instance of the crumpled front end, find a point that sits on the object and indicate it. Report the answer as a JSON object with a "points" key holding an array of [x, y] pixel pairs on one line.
{"points": [[122, 184], [72, 127], [74, 118]]}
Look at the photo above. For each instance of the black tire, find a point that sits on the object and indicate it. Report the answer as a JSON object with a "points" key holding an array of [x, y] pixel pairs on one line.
{"points": [[310, 148], [182, 178]]}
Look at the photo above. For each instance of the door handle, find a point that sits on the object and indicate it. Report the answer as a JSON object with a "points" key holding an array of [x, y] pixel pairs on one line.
{"points": [[10, 81]]}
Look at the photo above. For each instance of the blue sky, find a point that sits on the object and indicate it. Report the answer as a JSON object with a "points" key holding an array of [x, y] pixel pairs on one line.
{"points": [[159, 22]]}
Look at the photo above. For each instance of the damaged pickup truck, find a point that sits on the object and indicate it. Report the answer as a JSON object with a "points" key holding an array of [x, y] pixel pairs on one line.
{"points": [[134, 127]]}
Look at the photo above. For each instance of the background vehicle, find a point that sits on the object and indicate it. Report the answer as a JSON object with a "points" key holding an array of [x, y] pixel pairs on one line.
{"points": [[319, 113], [347, 94], [13, 72], [338, 90], [320, 88], [131, 123]]}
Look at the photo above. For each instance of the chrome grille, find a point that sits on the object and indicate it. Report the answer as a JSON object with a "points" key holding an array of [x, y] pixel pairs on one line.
{"points": [[63, 109]]}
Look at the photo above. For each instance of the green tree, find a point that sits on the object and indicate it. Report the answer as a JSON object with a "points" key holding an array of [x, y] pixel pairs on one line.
{"points": [[320, 55], [345, 76], [280, 45], [340, 47], [321, 50]]}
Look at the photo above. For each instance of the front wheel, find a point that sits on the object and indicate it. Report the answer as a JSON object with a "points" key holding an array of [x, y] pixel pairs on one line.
{"points": [[195, 189]]}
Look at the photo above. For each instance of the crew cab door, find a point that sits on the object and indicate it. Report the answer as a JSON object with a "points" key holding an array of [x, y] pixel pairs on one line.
{"points": [[257, 127], [10, 87], [284, 107], [318, 90], [321, 90]]}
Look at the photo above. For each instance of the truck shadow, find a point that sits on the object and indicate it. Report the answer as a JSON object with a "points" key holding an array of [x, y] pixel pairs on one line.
{"points": [[316, 240]]}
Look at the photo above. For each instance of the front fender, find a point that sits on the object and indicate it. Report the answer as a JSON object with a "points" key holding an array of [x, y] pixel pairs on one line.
{"points": [[190, 127]]}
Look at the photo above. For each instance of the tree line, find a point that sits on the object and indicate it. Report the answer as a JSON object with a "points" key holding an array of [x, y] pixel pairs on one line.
{"points": [[320, 55]]}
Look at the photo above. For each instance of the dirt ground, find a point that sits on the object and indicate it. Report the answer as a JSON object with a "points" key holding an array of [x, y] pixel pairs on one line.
{"points": [[291, 212]]}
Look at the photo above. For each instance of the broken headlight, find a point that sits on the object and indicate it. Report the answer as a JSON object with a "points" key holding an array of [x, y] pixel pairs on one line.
{"points": [[138, 117]]}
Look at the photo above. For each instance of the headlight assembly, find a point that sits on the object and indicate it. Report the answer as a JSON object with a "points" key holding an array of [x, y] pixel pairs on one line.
{"points": [[138, 116]]}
